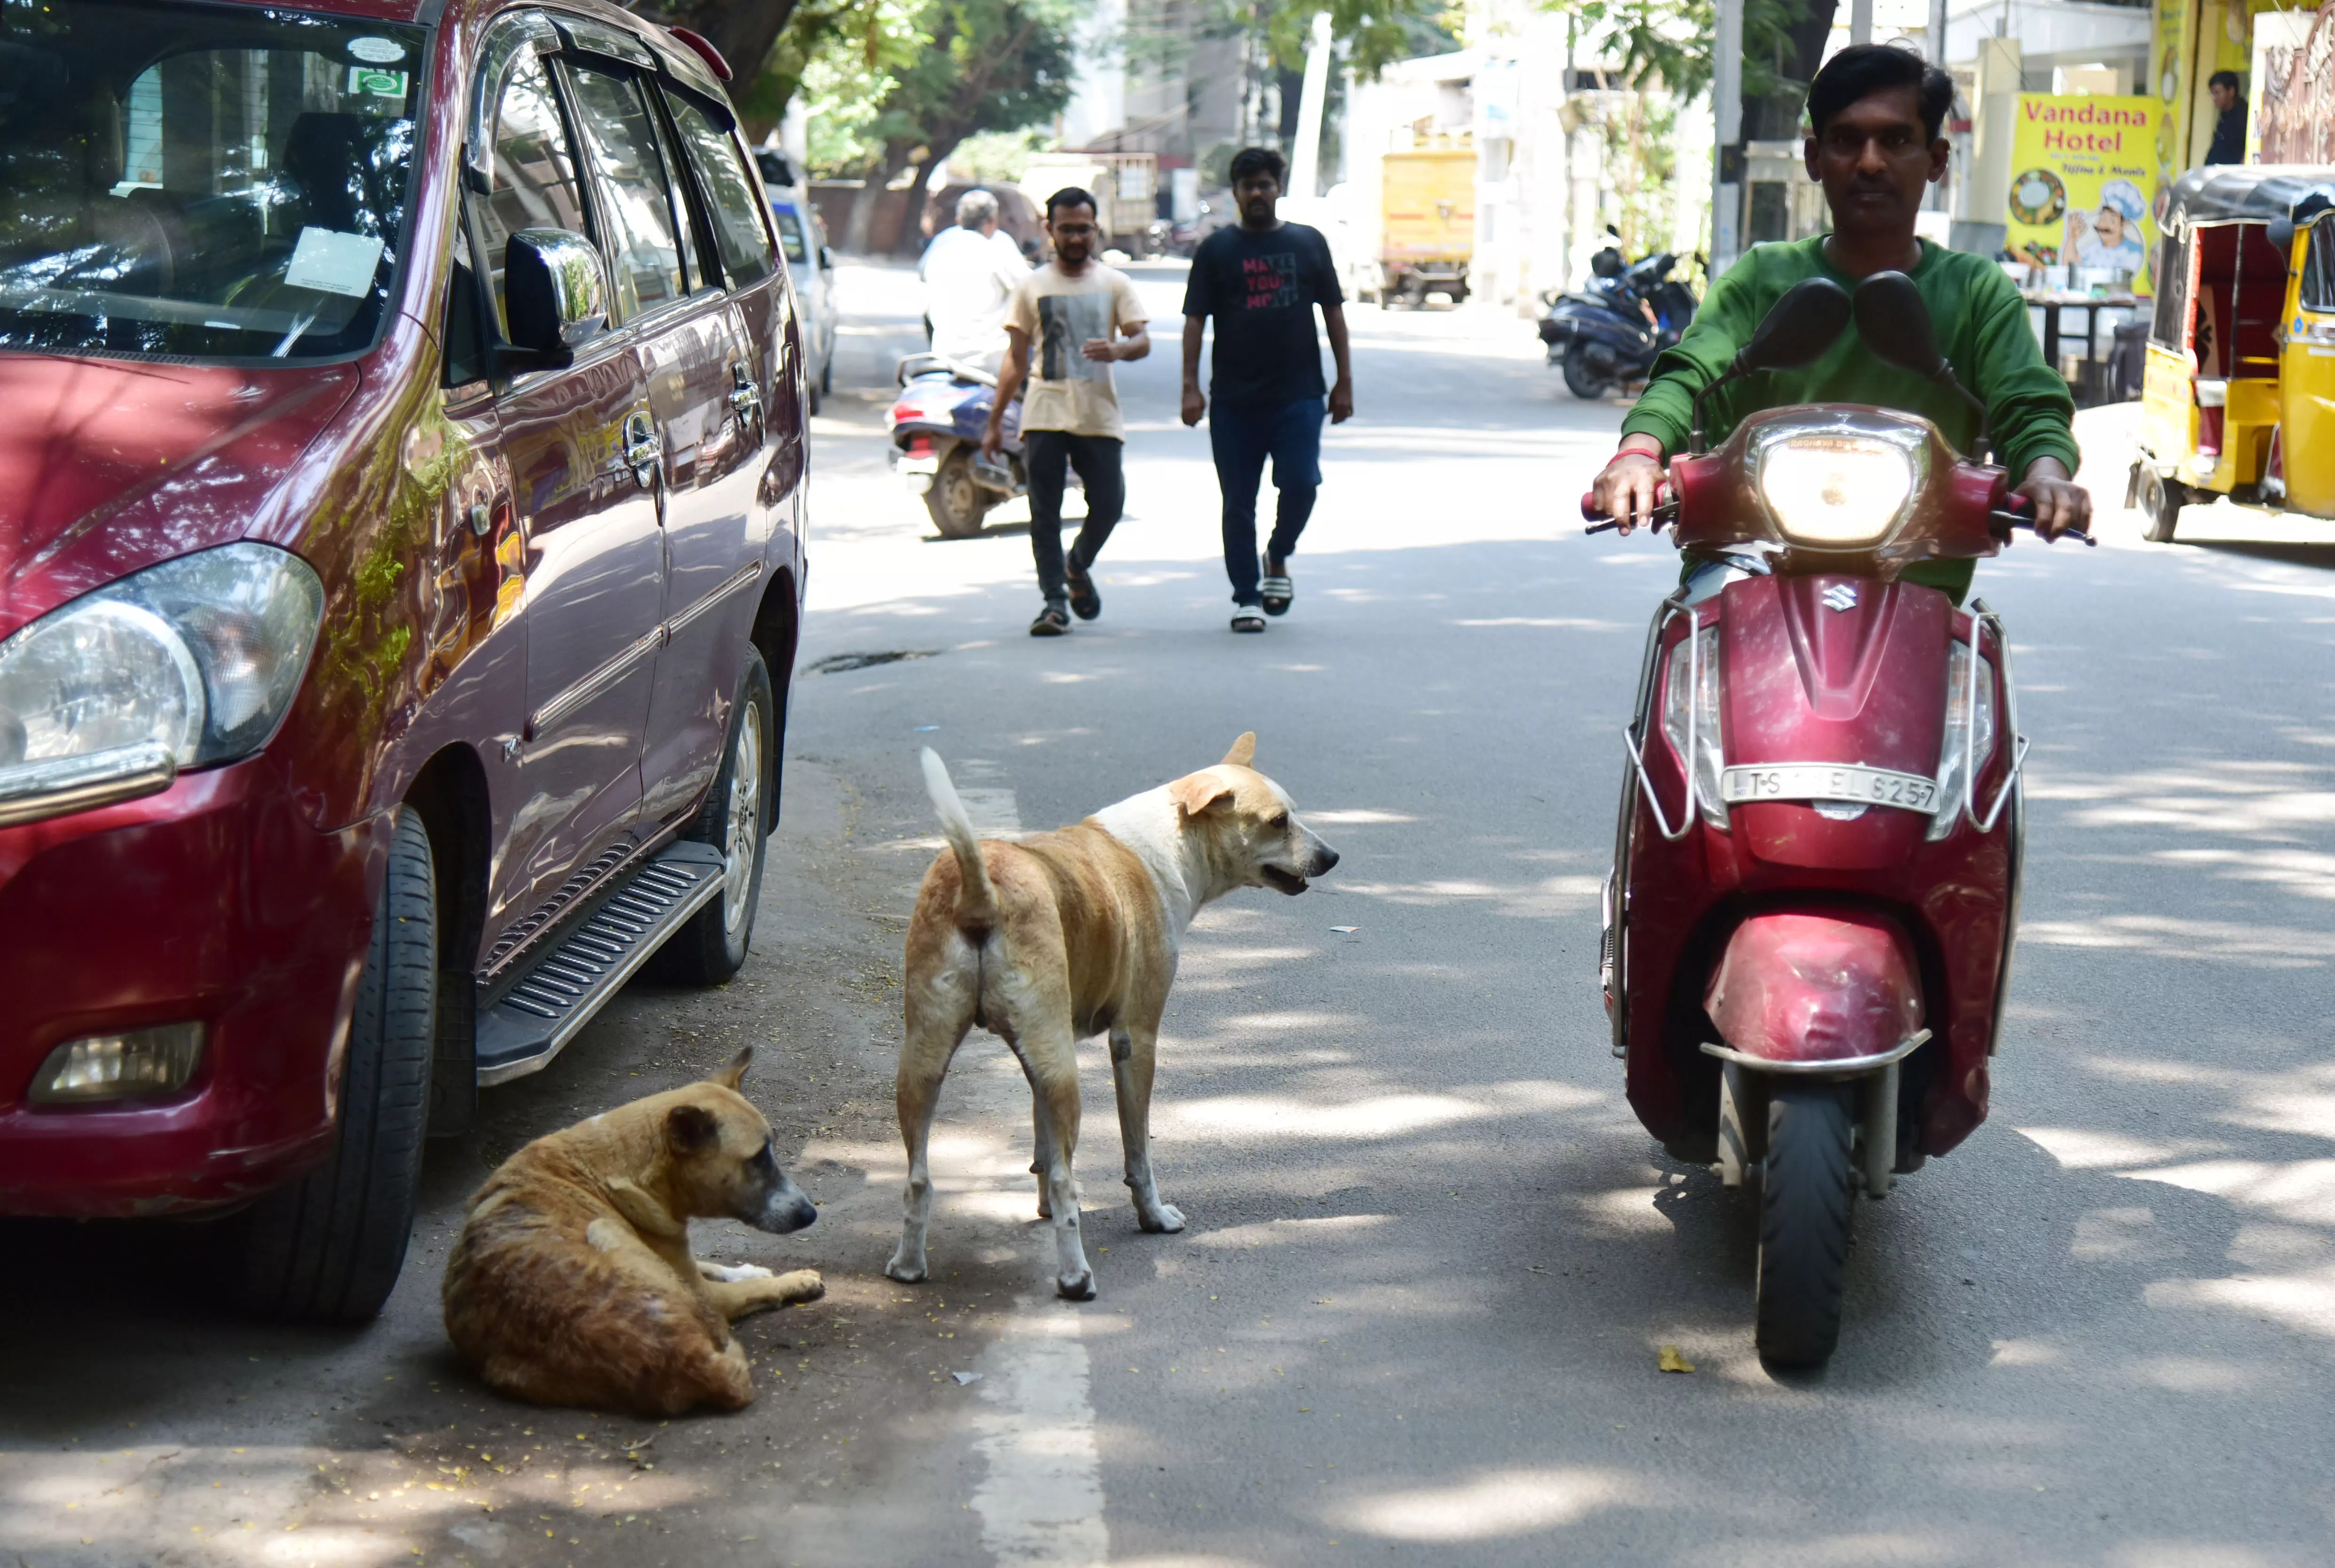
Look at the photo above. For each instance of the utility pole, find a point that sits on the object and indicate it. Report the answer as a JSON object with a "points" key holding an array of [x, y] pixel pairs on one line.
{"points": [[1860, 21], [1727, 118]]}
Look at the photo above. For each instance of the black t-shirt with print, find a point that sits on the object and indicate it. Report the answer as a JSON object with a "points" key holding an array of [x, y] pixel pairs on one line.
{"points": [[1262, 288]]}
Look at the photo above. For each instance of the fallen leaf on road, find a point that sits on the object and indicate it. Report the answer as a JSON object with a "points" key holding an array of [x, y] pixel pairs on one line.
{"points": [[1671, 1361]]}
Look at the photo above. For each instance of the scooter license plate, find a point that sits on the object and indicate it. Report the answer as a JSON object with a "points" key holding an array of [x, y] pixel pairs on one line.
{"points": [[1829, 781]]}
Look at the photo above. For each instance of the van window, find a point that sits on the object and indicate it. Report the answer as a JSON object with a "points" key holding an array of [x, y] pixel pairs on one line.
{"points": [[790, 234], [738, 231], [205, 182], [2319, 267], [534, 173], [642, 242]]}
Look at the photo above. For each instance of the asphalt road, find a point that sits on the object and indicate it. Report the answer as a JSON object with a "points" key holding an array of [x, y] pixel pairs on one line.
{"points": [[1431, 1257]]}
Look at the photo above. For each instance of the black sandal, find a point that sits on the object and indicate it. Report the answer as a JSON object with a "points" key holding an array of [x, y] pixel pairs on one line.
{"points": [[1275, 589], [1085, 603], [1247, 619], [1051, 622]]}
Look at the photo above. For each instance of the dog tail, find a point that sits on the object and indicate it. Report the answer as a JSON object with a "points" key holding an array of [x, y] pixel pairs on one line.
{"points": [[976, 896]]}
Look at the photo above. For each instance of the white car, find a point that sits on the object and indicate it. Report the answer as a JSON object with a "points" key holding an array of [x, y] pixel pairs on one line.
{"points": [[812, 265]]}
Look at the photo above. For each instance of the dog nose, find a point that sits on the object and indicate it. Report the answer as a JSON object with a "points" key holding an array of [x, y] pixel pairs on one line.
{"points": [[1328, 859]]}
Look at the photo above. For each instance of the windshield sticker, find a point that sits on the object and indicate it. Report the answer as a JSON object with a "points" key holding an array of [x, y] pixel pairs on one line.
{"points": [[366, 81], [375, 51], [332, 262]]}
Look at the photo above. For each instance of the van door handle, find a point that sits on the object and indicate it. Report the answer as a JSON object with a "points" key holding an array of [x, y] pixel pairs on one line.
{"points": [[745, 397], [644, 452]]}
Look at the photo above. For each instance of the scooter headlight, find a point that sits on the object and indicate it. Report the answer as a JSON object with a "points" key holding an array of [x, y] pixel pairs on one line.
{"points": [[1970, 736], [1695, 664], [1836, 490]]}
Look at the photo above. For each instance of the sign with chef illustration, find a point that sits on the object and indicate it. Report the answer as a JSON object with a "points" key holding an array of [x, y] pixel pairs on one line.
{"points": [[2083, 173]]}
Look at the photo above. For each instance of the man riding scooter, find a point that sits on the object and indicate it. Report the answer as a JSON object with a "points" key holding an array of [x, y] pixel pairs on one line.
{"points": [[1876, 116], [1813, 900]]}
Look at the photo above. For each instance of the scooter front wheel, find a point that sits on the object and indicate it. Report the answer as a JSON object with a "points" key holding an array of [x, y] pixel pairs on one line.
{"points": [[1807, 1194], [1582, 378]]}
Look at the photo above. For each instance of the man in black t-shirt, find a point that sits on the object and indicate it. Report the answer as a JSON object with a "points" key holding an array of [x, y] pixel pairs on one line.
{"points": [[1261, 280]]}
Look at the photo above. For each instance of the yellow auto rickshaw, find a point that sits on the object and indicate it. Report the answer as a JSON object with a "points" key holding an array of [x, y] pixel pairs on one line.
{"points": [[2238, 400]]}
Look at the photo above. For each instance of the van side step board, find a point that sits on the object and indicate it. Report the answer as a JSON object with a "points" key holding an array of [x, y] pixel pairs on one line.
{"points": [[572, 980]]}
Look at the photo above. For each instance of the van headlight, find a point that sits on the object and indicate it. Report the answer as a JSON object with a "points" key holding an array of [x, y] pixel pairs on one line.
{"points": [[181, 665], [1836, 491]]}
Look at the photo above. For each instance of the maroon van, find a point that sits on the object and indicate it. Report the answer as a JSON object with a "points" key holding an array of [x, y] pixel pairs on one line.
{"points": [[401, 559]]}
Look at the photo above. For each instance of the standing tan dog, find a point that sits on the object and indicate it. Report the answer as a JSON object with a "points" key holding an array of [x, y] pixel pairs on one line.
{"points": [[1062, 936], [572, 1283]]}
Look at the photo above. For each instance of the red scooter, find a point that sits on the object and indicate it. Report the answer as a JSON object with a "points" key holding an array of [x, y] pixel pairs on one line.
{"points": [[1815, 880]]}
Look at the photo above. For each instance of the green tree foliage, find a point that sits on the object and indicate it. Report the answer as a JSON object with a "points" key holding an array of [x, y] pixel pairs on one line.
{"points": [[1671, 42]]}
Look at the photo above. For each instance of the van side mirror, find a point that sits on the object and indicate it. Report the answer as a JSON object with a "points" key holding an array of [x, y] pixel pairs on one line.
{"points": [[1808, 320], [1895, 323], [556, 293], [826, 258]]}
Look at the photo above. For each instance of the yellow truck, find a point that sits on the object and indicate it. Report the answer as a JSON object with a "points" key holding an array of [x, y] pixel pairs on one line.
{"points": [[1428, 228]]}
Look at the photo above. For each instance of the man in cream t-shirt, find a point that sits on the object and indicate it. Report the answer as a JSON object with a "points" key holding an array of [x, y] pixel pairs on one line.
{"points": [[1076, 318]]}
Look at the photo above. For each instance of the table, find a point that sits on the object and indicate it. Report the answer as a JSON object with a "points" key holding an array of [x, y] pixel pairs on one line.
{"points": [[2054, 301]]}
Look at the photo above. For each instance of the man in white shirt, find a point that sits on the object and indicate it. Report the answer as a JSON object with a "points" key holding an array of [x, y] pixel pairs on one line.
{"points": [[970, 272]]}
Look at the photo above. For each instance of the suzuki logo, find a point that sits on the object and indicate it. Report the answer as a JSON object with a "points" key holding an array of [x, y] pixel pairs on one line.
{"points": [[1840, 597]]}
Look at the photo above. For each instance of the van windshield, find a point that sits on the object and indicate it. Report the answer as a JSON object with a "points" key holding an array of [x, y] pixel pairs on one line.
{"points": [[199, 181]]}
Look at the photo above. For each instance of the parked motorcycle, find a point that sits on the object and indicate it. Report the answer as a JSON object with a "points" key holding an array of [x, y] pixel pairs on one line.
{"points": [[1816, 883], [937, 424], [1608, 334]]}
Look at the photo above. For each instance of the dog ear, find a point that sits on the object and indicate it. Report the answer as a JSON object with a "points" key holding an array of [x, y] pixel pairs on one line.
{"points": [[731, 1076], [1244, 751], [691, 1128], [1197, 792]]}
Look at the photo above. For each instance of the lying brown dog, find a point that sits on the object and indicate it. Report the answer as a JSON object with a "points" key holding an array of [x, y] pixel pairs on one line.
{"points": [[1064, 935], [572, 1283]]}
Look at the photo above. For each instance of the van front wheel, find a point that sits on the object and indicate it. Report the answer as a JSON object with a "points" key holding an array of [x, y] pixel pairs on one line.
{"points": [[327, 1249]]}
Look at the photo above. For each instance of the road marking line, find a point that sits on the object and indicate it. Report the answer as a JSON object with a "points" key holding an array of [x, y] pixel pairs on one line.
{"points": [[1041, 1505]]}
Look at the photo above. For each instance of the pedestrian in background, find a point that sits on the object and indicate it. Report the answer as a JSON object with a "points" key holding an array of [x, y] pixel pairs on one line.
{"points": [[1083, 317], [2229, 144], [1261, 280], [970, 274]]}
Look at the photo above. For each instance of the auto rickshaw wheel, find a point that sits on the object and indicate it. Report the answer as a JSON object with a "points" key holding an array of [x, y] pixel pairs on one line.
{"points": [[2161, 501], [1807, 1193]]}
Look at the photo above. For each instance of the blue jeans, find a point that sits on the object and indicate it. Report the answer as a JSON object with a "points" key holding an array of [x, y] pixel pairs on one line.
{"points": [[1241, 440]]}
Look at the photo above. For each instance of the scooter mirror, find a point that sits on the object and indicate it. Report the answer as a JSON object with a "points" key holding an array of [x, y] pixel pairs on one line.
{"points": [[1806, 322], [1895, 324]]}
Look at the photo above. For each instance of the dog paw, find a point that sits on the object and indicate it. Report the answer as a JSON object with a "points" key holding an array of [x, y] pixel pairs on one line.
{"points": [[1165, 1219], [802, 1286], [1079, 1289], [906, 1273], [730, 1273]]}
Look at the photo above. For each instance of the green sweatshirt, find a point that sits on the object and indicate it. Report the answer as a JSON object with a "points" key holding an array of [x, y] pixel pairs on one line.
{"points": [[1982, 324]]}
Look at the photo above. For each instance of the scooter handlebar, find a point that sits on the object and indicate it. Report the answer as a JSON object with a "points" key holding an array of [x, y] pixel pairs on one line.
{"points": [[1665, 512], [2018, 512]]}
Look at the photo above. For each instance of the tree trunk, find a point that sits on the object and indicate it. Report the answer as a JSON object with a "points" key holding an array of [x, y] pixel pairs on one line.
{"points": [[1293, 102], [1775, 117], [745, 30], [911, 222], [863, 205]]}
